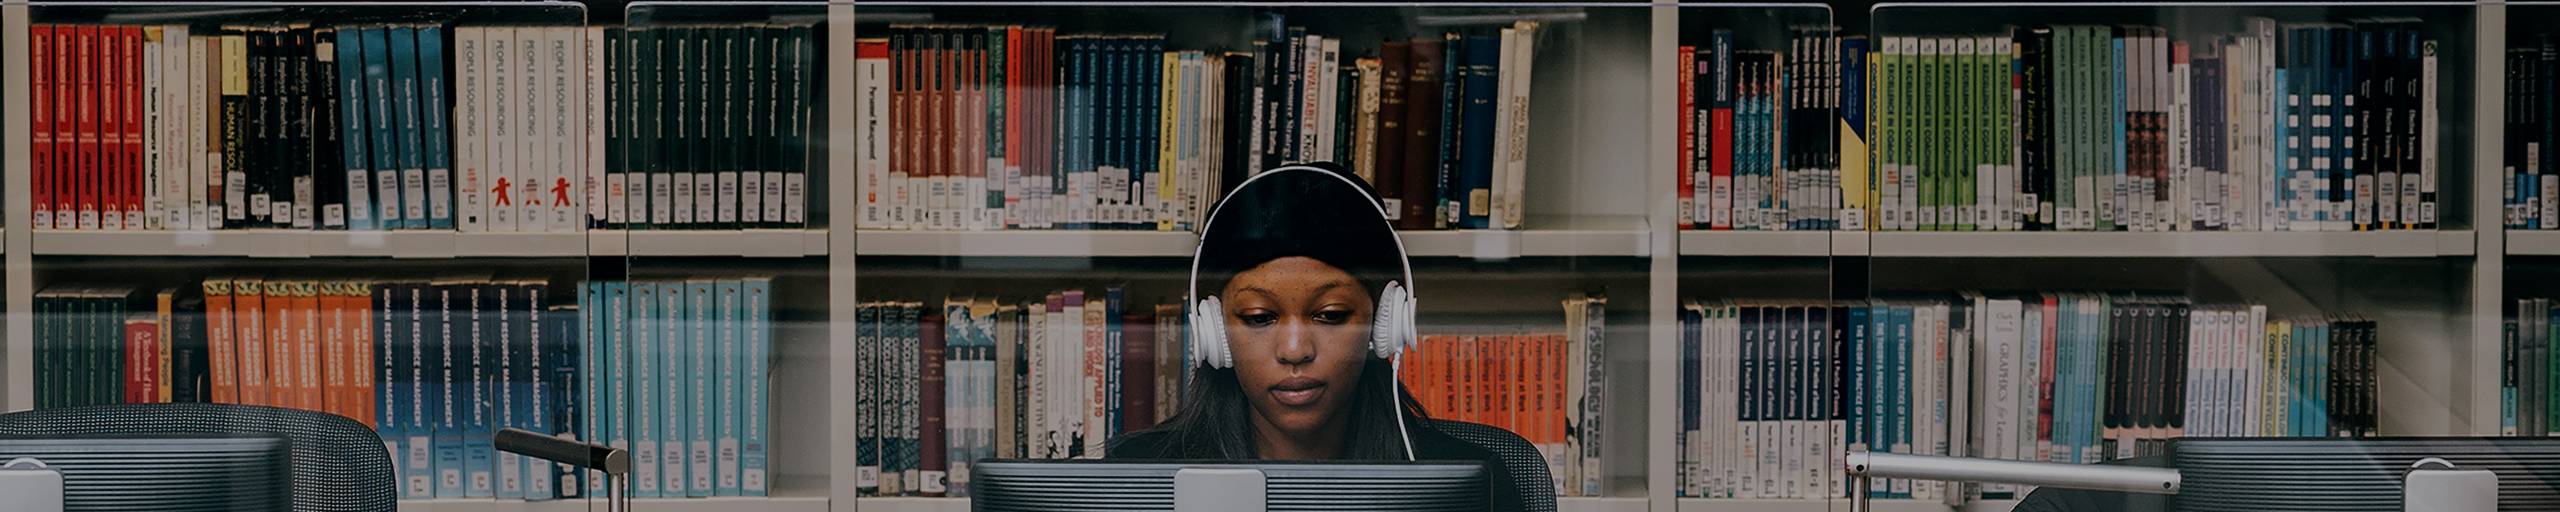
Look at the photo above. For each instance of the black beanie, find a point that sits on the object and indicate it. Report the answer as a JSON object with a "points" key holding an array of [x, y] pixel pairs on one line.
{"points": [[1316, 210]]}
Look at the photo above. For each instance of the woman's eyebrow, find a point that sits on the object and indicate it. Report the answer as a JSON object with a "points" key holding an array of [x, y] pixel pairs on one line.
{"points": [[1318, 290]]}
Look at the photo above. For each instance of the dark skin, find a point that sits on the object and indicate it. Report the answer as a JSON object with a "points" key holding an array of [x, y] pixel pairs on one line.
{"points": [[1300, 332]]}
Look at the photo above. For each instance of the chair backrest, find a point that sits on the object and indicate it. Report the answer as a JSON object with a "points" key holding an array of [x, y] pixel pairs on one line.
{"points": [[338, 464], [1528, 469]]}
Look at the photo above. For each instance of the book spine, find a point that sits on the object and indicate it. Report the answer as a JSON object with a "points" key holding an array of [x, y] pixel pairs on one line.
{"points": [[675, 371], [596, 127], [407, 125], [1425, 94], [701, 333], [563, 126], [532, 103], [503, 358], [45, 83], [1722, 138], [293, 132], [1476, 149], [326, 132], [478, 379], [930, 400], [646, 400], [617, 407], [154, 115], [619, 183], [729, 351]]}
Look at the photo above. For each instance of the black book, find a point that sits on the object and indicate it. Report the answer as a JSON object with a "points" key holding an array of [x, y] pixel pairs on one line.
{"points": [[617, 194], [745, 100], [1446, 191], [190, 356], [2035, 127], [299, 159], [649, 61], [799, 82], [261, 148], [328, 147], [716, 104]]}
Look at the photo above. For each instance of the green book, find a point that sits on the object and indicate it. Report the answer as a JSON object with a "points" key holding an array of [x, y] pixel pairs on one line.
{"points": [[1929, 105]]}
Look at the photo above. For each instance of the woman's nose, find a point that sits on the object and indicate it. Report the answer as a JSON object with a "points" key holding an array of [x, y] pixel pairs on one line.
{"points": [[1295, 346]]}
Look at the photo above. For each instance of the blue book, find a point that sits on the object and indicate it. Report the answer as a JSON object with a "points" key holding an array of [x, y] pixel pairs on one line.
{"points": [[2122, 191], [535, 403], [646, 402], [1855, 380], [702, 299], [756, 294], [614, 404], [438, 161], [1475, 176], [907, 452], [2342, 111], [728, 351], [472, 318], [351, 124], [1879, 320], [385, 148], [583, 365], [675, 359], [1898, 423], [1853, 117], [397, 409], [446, 385], [2065, 347], [406, 126], [500, 361], [566, 383]]}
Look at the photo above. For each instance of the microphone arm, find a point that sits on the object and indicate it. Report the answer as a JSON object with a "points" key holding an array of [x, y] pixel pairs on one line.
{"points": [[1862, 466]]}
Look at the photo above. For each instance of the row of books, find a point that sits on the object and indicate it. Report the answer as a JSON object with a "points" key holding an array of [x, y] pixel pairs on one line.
{"points": [[1774, 392], [2532, 189], [2280, 127], [675, 368], [358, 128], [1056, 376], [1051, 377], [969, 127], [2524, 373]]}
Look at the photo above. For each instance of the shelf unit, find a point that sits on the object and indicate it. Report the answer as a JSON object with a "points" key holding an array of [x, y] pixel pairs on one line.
{"points": [[1587, 221]]}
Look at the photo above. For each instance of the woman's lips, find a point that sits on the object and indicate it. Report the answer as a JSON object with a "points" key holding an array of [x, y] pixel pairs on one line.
{"points": [[1298, 391]]}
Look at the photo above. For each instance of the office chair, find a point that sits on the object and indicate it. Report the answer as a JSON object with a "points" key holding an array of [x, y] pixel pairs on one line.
{"points": [[1528, 469], [338, 464]]}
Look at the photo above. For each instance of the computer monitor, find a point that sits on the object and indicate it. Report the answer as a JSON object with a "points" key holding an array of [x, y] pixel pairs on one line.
{"points": [[1011, 485], [172, 472], [2342, 475]]}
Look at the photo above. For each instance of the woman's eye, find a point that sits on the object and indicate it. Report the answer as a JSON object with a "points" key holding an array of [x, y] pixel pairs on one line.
{"points": [[1258, 319], [1333, 316]]}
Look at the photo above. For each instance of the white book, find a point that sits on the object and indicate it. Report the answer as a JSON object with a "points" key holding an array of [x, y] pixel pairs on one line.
{"points": [[1515, 104], [500, 153], [2030, 379], [178, 152], [1328, 80], [533, 109], [564, 78], [592, 190], [2428, 145], [203, 169], [2184, 196], [470, 131], [155, 165]]}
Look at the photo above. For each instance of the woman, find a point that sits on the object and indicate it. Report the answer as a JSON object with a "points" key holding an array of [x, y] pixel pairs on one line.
{"points": [[1298, 259]]}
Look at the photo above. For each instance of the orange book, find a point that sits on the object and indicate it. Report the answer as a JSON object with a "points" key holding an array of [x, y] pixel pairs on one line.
{"points": [[305, 316], [360, 394], [160, 371], [334, 365], [1463, 374], [220, 345], [281, 348], [1557, 346], [1444, 376], [249, 321]]}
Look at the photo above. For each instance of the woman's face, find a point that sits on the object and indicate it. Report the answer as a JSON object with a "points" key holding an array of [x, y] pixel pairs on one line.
{"points": [[1300, 333]]}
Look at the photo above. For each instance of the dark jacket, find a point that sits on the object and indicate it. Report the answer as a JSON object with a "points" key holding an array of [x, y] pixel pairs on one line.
{"points": [[1428, 444]]}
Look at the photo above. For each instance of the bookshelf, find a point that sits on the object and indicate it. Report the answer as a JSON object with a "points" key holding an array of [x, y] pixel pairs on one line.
{"points": [[2437, 291]]}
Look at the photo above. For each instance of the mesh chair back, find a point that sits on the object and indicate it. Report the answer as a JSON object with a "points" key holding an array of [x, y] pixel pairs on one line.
{"points": [[1528, 469], [338, 464]]}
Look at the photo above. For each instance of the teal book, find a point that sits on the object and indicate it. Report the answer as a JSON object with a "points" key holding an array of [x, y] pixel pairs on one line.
{"points": [[675, 356], [646, 401], [385, 149], [406, 126], [358, 177], [702, 318], [436, 329], [489, 399], [958, 345], [756, 327], [614, 401], [2114, 143], [437, 160], [726, 348]]}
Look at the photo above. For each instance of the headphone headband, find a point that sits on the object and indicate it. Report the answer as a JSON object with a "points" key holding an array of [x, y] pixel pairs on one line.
{"points": [[1201, 246]]}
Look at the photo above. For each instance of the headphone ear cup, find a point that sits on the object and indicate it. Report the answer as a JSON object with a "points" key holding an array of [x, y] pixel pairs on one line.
{"points": [[1209, 334], [1392, 330]]}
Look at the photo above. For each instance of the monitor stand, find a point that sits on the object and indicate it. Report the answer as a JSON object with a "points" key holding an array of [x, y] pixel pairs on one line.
{"points": [[1218, 489]]}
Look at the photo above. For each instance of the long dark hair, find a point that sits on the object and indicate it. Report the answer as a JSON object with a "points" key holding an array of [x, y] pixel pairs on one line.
{"points": [[1214, 421]]}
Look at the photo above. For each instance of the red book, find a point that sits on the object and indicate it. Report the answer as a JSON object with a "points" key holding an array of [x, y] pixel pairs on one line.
{"points": [[249, 325], [129, 47], [66, 147], [84, 75], [1137, 372], [113, 113], [41, 110], [901, 81], [1016, 150], [929, 397], [1422, 120], [1722, 200], [1683, 168], [360, 352], [307, 349]]}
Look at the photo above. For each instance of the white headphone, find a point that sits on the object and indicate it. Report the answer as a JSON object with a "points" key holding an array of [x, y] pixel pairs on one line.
{"points": [[1391, 327]]}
